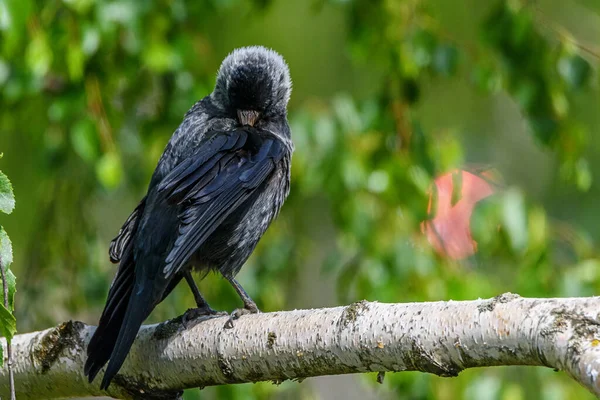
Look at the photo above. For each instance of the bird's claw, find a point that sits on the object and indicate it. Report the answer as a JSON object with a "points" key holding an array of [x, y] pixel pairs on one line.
{"points": [[192, 314], [238, 312]]}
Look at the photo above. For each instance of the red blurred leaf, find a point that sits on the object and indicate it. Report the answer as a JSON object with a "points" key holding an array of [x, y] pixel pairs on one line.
{"points": [[451, 204]]}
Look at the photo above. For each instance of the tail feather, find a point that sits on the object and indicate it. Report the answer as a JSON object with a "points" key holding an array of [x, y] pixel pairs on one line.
{"points": [[138, 309], [122, 314], [119, 290], [104, 339], [103, 342]]}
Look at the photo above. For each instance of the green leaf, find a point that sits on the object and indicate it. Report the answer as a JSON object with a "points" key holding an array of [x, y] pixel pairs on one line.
{"points": [[6, 255], [7, 197], [39, 54], [90, 41], [85, 140], [75, 62], [574, 70], [583, 175], [486, 78], [11, 280], [410, 90], [445, 59], [515, 222], [160, 57], [109, 170], [80, 6], [8, 323], [6, 259], [423, 45]]}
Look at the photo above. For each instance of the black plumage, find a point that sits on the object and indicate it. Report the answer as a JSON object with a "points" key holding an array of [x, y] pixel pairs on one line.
{"points": [[220, 182]]}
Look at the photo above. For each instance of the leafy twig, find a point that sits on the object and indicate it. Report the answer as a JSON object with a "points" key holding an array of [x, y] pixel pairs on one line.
{"points": [[11, 375]]}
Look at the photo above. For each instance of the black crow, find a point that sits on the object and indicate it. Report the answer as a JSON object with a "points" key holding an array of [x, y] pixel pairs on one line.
{"points": [[221, 180]]}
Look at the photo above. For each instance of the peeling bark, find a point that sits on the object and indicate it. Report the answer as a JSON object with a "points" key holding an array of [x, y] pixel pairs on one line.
{"points": [[442, 338]]}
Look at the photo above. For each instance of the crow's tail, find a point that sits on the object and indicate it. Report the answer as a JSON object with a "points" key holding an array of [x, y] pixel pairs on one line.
{"points": [[121, 319], [139, 307]]}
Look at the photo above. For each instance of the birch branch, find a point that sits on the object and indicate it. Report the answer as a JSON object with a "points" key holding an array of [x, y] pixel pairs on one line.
{"points": [[441, 338]]}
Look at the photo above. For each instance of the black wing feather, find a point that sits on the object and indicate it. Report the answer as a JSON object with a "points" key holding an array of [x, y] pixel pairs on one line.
{"points": [[190, 169], [211, 188], [120, 242]]}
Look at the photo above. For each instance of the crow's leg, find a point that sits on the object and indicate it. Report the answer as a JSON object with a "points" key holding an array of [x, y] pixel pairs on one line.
{"points": [[203, 309], [200, 301], [249, 304]]}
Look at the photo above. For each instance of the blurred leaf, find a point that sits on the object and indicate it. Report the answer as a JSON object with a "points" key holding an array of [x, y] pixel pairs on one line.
{"points": [[553, 390], [486, 387], [574, 70], [347, 113], [160, 57], [378, 181], [486, 78], [13, 23], [513, 391], [109, 170], [588, 271], [346, 277], [538, 228], [75, 62], [526, 93], [545, 128], [410, 90], [420, 178], [85, 140], [7, 197], [424, 45], [584, 175], [560, 103], [445, 59], [90, 41], [122, 12], [514, 218], [419, 147], [4, 72], [325, 134], [39, 54], [354, 174], [81, 6]]}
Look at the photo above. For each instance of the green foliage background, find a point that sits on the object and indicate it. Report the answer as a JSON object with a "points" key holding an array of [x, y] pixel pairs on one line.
{"points": [[387, 95]]}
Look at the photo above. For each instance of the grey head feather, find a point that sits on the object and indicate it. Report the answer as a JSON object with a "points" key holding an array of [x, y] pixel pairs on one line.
{"points": [[253, 78]]}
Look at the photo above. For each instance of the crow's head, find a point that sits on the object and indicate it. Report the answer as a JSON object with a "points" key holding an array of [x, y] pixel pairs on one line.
{"points": [[253, 82]]}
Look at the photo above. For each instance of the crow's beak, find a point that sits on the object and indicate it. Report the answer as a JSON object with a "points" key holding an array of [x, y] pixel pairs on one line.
{"points": [[248, 117]]}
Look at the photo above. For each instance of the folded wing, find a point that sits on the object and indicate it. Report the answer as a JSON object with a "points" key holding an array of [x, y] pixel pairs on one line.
{"points": [[212, 183]]}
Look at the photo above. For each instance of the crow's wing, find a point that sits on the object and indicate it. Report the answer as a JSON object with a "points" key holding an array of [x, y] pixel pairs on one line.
{"points": [[212, 183], [120, 242]]}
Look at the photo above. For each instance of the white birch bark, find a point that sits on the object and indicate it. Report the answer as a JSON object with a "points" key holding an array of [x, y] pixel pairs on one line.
{"points": [[442, 338]]}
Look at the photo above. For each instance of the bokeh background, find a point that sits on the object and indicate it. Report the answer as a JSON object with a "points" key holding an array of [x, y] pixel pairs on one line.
{"points": [[388, 95]]}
